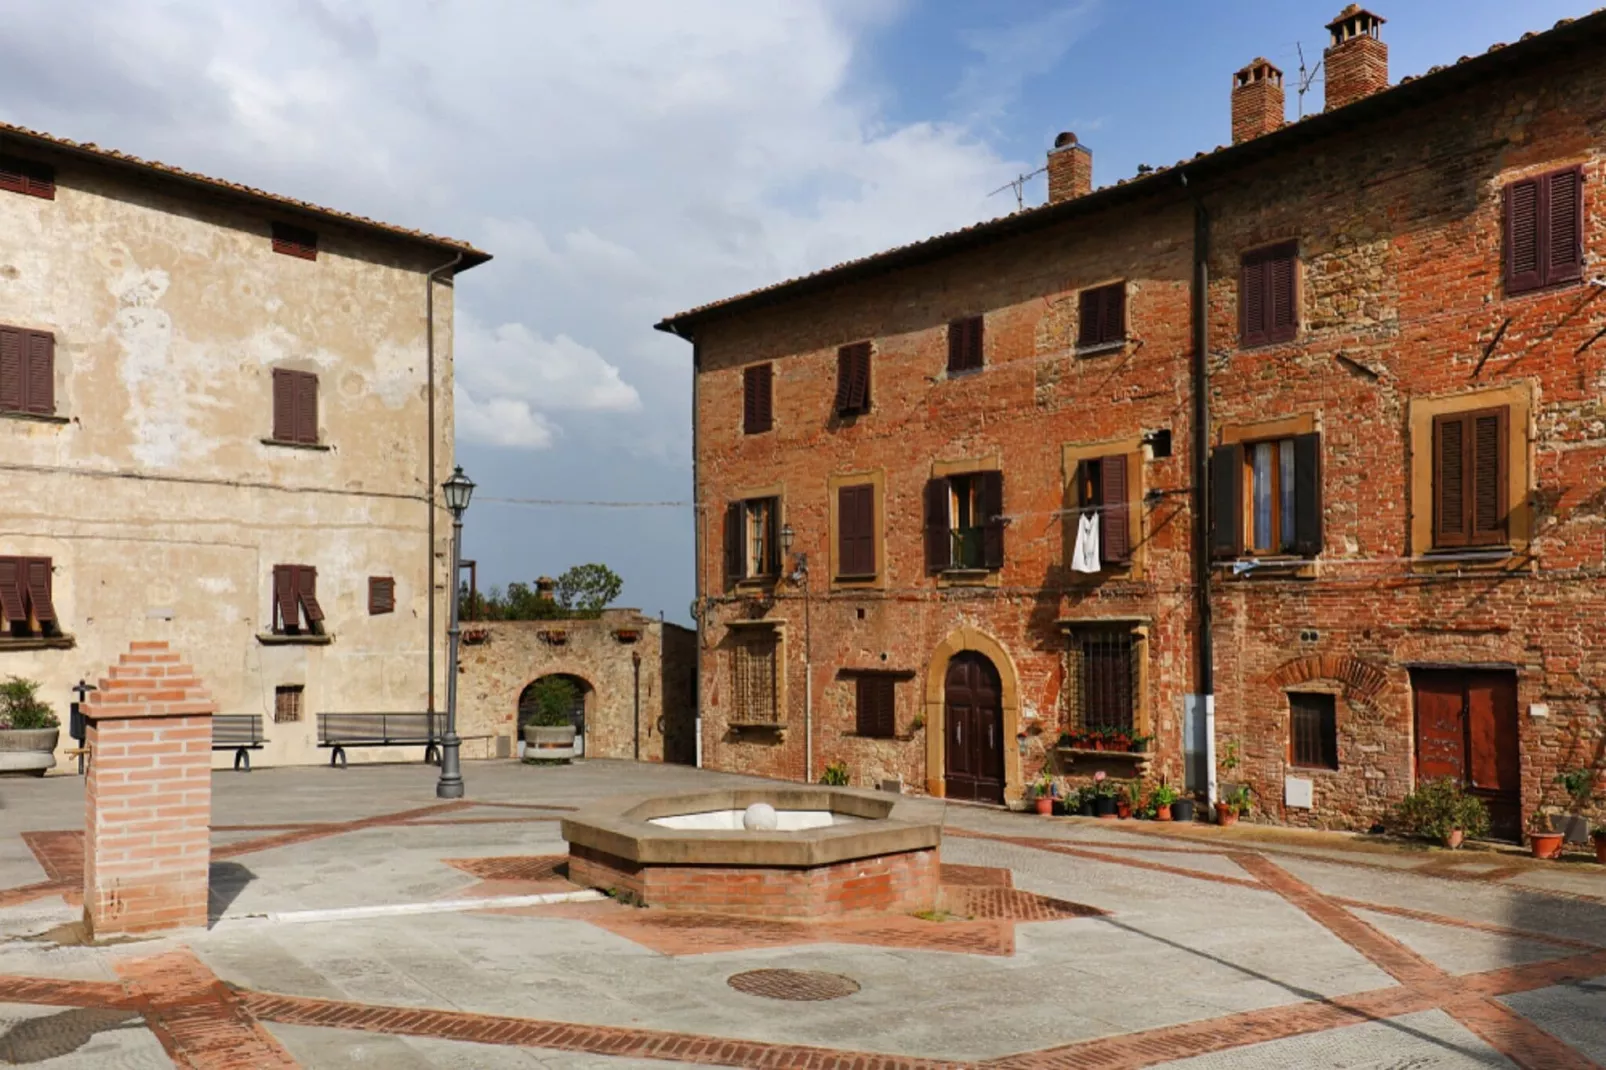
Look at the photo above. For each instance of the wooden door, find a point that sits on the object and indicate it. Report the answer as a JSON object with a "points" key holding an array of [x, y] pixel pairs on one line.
{"points": [[974, 729], [1466, 728]]}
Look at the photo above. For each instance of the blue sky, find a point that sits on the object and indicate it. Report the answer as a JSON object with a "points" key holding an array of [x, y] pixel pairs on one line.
{"points": [[627, 159]]}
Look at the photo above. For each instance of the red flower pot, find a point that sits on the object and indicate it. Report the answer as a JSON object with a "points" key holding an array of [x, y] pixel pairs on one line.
{"points": [[1123, 809], [1225, 815], [1045, 804], [1600, 849], [1545, 844], [1162, 813]]}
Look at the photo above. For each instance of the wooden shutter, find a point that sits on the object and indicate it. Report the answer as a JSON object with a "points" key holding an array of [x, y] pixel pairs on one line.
{"points": [[1307, 495], [990, 503], [1114, 312], [284, 598], [1450, 526], [37, 578], [772, 539], [1226, 501], [28, 176], [307, 593], [1524, 269], [1313, 731], [295, 241], [939, 541], [1564, 226], [39, 373], [853, 378], [855, 519], [1282, 317], [1487, 466], [874, 702], [844, 379], [1252, 301], [965, 344], [306, 388], [284, 405], [1090, 330], [1115, 533], [735, 545], [381, 595], [13, 344], [757, 412], [12, 605]]}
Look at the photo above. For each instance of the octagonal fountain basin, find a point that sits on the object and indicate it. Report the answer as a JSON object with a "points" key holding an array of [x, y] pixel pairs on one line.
{"points": [[830, 852]]}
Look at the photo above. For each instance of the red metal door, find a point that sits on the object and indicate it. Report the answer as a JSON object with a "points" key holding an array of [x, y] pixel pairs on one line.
{"points": [[973, 760]]}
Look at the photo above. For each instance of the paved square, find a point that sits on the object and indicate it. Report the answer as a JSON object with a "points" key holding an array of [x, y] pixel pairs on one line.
{"points": [[1062, 943]]}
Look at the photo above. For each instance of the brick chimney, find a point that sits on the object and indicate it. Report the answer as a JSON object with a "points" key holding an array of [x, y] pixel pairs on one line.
{"points": [[1357, 60], [1070, 169], [1257, 100]]}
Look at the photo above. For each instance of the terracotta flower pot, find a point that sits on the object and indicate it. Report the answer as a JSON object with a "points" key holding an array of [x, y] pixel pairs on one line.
{"points": [[1225, 815], [1123, 809], [1453, 839], [1162, 813], [1545, 844], [1044, 804], [1600, 847]]}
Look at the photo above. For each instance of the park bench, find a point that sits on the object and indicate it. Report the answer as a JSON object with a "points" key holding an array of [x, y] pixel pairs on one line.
{"points": [[338, 731], [240, 733]]}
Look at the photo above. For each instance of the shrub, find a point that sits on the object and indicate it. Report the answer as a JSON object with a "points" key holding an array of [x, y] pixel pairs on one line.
{"points": [[553, 697], [1436, 808], [836, 775], [20, 706]]}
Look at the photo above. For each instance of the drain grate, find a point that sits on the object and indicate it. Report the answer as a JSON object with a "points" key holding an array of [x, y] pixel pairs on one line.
{"points": [[804, 985]]}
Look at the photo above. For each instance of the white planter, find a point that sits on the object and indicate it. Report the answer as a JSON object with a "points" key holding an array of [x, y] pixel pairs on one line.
{"points": [[28, 750], [549, 744]]}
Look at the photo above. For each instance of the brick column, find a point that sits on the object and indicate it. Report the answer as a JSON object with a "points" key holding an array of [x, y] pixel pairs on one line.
{"points": [[148, 803]]}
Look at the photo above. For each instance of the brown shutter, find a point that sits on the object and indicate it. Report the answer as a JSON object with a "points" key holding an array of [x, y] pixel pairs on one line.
{"points": [[39, 373], [1115, 312], [1308, 495], [735, 537], [974, 341], [13, 344], [1226, 501], [1564, 226], [856, 531], [284, 405], [1488, 467], [772, 540], [1524, 270], [12, 605], [990, 501], [853, 378], [1282, 321], [1252, 301], [861, 378], [27, 176], [1115, 542], [306, 386], [38, 581], [284, 597], [295, 241], [381, 595], [1450, 527], [1090, 330], [939, 541], [844, 379], [757, 414], [876, 706], [965, 344], [307, 592]]}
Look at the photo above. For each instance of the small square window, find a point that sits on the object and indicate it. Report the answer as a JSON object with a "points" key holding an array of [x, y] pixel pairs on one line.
{"points": [[287, 703], [1102, 316], [381, 595], [1313, 731], [965, 344], [758, 402], [875, 713], [295, 241]]}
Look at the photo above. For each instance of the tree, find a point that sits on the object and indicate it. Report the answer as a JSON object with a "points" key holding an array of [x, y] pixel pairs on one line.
{"points": [[587, 589]]}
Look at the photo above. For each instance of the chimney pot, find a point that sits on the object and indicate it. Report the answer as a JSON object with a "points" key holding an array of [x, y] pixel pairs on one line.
{"points": [[1070, 169], [1257, 100], [1356, 60]]}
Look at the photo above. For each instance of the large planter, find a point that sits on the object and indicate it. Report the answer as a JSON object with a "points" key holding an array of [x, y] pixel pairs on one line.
{"points": [[28, 750], [1104, 806], [549, 744], [1182, 810], [1545, 844]]}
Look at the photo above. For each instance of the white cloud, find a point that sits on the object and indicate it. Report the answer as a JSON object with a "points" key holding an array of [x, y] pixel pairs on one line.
{"points": [[500, 422]]}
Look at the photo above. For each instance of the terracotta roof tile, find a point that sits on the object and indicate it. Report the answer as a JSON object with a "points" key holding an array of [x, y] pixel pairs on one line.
{"points": [[471, 255]]}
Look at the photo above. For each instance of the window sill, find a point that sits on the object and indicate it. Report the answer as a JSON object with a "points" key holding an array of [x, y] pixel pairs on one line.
{"points": [[1101, 348], [1544, 288], [1268, 343], [961, 373], [325, 447], [855, 581], [35, 417], [1281, 568], [1467, 558], [40, 642], [1311, 770], [967, 577], [270, 639], [756, 583]]}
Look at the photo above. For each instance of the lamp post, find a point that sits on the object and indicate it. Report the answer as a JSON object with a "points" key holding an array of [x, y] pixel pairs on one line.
{"points": [[800, 577], [458, 490]]}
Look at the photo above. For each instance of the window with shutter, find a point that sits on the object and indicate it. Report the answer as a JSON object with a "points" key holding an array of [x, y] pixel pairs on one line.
{"points": [[874, 706], [752, 540], [965, 344], [757, 403], [853, 379], [1102, 316], [1469, 479], [855, 519], [1268, 294], [295, 241], [295, 407], [28, 177], [1544, 228], [1226, 501], [26, 604], [381, 595], [295, 601], [1312, 731], [27, 371]]}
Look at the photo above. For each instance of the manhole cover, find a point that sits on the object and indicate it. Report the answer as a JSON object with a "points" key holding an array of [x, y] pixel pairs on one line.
{"points": [[794, 984]]}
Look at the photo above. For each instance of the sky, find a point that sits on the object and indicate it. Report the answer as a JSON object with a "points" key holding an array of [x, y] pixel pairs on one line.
{"points": [[628, 159]]}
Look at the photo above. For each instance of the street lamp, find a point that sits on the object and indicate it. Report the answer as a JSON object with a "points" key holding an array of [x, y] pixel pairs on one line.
{"points": [[458, 490]]}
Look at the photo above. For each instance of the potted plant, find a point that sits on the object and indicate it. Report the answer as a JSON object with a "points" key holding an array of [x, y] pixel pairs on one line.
{"points": [[1440, 810], [28, 729], [1182, 809], [1579, 784], [1104, 804], [1600, 845], [549, 730], [1123, 801], [1233, 805], [1163, 798], [1043, 794], [1139, 744], [1086, 802], [1542, 839]]}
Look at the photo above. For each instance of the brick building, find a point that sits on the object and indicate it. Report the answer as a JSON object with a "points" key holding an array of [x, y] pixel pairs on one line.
{"points": [[1395, 423]]}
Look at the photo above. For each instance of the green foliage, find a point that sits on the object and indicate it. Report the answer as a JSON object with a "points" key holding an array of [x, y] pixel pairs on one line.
{"points": [[1043, 786], [1239, 799], [1229, 756], [553, 697], [1579, 784], [587, 589], [1164, 795], [1437, 807], [581, 592], [836, 775], [21, 707]]}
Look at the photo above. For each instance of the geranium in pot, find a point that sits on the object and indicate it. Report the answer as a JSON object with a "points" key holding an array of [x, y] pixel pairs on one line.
{"points": [[1123, 800], [1163, 798], [1043, 794], [28, 729], [1440, 810]]}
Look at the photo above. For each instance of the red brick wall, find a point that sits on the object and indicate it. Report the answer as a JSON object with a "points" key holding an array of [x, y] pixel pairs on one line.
{"points": [[1401, 298], [148, 796]]}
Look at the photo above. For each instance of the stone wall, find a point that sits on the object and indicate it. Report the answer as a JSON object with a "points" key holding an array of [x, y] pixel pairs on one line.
{"points": [[499, 659]]}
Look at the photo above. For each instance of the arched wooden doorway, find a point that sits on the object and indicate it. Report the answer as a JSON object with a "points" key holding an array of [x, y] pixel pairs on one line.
{"points": [[973, 723]]}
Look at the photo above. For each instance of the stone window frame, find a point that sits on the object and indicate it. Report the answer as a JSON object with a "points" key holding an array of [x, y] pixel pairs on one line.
{"points": [[1247, 433], [965, 577], [1072, 454], [1341, 706], [757, 493], [1516, 552], [875, 478]]}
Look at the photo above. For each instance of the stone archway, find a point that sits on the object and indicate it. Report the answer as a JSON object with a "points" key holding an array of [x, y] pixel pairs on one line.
{"points": [[1361, 681], [958, 641], [548, 687]]}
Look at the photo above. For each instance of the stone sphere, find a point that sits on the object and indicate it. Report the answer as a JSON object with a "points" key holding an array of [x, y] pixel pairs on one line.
{"points": [[760, 817]]}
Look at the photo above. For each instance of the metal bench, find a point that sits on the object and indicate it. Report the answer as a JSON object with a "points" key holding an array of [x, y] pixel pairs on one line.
{"points": [[341, 730], [240, 733]]}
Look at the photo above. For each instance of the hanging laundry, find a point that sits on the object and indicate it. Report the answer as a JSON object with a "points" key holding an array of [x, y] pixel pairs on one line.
{"points": [[1085, 558]]}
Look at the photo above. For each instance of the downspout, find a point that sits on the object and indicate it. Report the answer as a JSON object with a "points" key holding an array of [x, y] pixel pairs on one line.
{"points": [[429, 479], [1201, 482]]}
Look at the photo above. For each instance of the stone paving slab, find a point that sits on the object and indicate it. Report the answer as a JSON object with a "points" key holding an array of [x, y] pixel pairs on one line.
{"points": [[52, 1038], [1575, 1014], [1431, 1040]]}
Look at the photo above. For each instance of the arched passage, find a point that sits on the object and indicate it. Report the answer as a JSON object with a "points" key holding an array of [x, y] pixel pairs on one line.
{"points": [[980, 660], [558, 692]]}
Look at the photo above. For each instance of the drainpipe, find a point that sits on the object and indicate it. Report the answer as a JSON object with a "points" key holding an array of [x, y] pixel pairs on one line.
{"points": [[1201, 481], [635, 660], [429, 479]]}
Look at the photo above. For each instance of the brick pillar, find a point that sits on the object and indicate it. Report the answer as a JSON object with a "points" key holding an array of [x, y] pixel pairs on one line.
{"points": [[148, 806], [1070, 169]]}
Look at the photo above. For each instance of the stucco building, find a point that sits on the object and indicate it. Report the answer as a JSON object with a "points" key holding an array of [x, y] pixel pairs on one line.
{"points": [[1366, 348], [225, 416]]}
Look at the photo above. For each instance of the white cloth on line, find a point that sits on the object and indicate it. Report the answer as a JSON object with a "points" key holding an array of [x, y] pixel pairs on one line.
{"points": [[1085, 558]]}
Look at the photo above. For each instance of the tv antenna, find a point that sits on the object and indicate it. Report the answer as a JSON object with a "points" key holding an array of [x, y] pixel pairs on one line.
{"points": [[1307, 78], [1019, 186]]}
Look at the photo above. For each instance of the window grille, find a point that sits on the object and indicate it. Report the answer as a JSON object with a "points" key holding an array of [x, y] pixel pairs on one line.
{"points": [[753, 665], [1104, 679]]}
